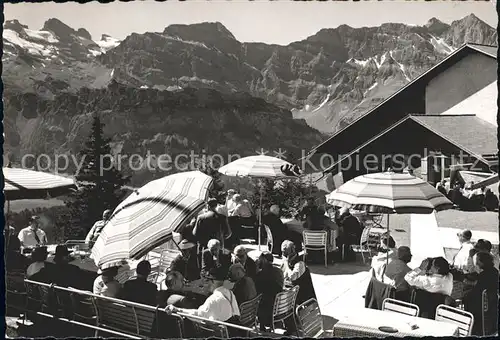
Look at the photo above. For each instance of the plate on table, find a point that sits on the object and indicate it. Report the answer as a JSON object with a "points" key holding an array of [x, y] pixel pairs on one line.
{"points": [[388, 329]]}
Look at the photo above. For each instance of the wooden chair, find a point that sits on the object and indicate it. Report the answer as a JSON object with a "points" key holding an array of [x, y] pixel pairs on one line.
{"points": [[316, 241], [283, 308], [401, 307], [310, 320], [462, 319], [248, 312]]}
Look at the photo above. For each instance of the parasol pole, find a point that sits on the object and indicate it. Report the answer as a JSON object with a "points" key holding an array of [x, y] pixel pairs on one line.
{"points": [[260, 212]]}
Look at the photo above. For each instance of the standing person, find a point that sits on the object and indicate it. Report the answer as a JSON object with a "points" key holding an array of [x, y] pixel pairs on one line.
{"points": [[96, 229], [462, 262], [210, 225], [32, 235]]}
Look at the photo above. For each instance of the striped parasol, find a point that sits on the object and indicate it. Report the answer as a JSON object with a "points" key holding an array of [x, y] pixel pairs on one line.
{"points": [[29, 184], [389, 193], [260, 166], [147, 218]]}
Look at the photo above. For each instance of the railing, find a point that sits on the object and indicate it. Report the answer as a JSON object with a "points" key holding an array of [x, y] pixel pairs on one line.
{"points": [[132, 305]]}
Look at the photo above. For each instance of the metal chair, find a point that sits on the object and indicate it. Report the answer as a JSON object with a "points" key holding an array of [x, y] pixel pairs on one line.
{"points": [[248, 312], [315, 240], [283, 308], [167, 256], [310, 320], [207, 329], [401, 307], [80, 243], [462, 319], [489, 312], [269, 238]]}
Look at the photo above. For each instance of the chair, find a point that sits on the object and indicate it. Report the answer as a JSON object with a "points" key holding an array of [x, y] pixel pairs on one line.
{"points": [[167, 256], [269, 238], [83, 308], [80, 243], [489, 312], [310, 320], [462, 319], [283, 308], [315, 240], [427, 302], [364, 244], [401, 307], [207, 329], [248, 311]]}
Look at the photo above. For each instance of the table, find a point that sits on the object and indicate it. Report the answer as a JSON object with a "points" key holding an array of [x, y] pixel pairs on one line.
{"points": [[293, 225], [254, 255], [366, 322], [199, 287]]}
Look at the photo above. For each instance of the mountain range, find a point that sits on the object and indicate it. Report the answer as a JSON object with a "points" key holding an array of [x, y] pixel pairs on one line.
{"points": [[55, 77]]}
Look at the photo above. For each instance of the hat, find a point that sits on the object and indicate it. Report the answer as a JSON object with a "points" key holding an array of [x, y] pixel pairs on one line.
{"points": [[467, 234], [62, 250], [185, 244], [108, 271]]}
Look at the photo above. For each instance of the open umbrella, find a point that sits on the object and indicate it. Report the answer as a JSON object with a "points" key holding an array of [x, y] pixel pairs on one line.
{"points": [[260, 167], [389, 193], [29, 184], [147, 218]]}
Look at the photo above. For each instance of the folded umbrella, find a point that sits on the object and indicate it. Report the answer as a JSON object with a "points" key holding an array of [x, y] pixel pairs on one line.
{"points": [[147, 218], [29, 184]]}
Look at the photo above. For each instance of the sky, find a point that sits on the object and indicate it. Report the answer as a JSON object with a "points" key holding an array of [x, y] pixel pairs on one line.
{"points": [[278, 22]]}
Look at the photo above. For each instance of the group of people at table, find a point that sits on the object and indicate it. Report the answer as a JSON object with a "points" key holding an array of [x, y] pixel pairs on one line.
{"points": [[468, 199], [462, 281], [229, 278]]}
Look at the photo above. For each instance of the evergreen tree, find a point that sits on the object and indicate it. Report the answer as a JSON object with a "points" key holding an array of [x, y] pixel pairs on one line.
{"points": [[100, 184]]}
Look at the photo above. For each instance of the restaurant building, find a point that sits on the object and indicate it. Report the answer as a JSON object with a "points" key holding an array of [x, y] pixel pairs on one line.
{"points": [[445, 117]]}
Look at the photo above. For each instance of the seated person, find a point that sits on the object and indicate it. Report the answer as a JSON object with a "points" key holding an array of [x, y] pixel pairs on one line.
{"points": [[39, 256], [62, 273], [214, 259], [309, 209], [487, 279], [395, 273], [490, 201], [240, 256], [243, 210], [221, 305], [106, 284], [437, 280], [296, 273], [269, 281], [387, 249], [171, 292], [244, 287], [350, 227], [462, 262], [441, 187], [278, 229], [14, 260], [139, 289]]}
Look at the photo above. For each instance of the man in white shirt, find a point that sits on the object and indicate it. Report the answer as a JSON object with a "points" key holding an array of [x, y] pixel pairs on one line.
{"points": [[98, 227], [463, 261], [220, 306], [32, 235], [230, 204]]}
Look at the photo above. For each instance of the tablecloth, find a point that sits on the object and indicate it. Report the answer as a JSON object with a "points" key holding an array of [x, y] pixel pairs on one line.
{"points": [[366, 322]]}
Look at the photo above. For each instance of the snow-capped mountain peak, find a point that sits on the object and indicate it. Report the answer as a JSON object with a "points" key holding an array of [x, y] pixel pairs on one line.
{"points": [[107, 42]]}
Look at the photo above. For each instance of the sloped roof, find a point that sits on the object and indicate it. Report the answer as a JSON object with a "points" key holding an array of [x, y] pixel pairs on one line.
{"points": [[470, 133], [467, 132], [490, 51], [486, 49]]}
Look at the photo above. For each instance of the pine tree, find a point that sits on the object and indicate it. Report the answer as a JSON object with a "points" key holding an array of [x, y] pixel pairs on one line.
{"points": [[100, 184]]}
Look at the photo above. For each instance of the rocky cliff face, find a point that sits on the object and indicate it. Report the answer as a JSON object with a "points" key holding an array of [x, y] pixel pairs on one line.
{"points": [[56, 76], [150, 123]]}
